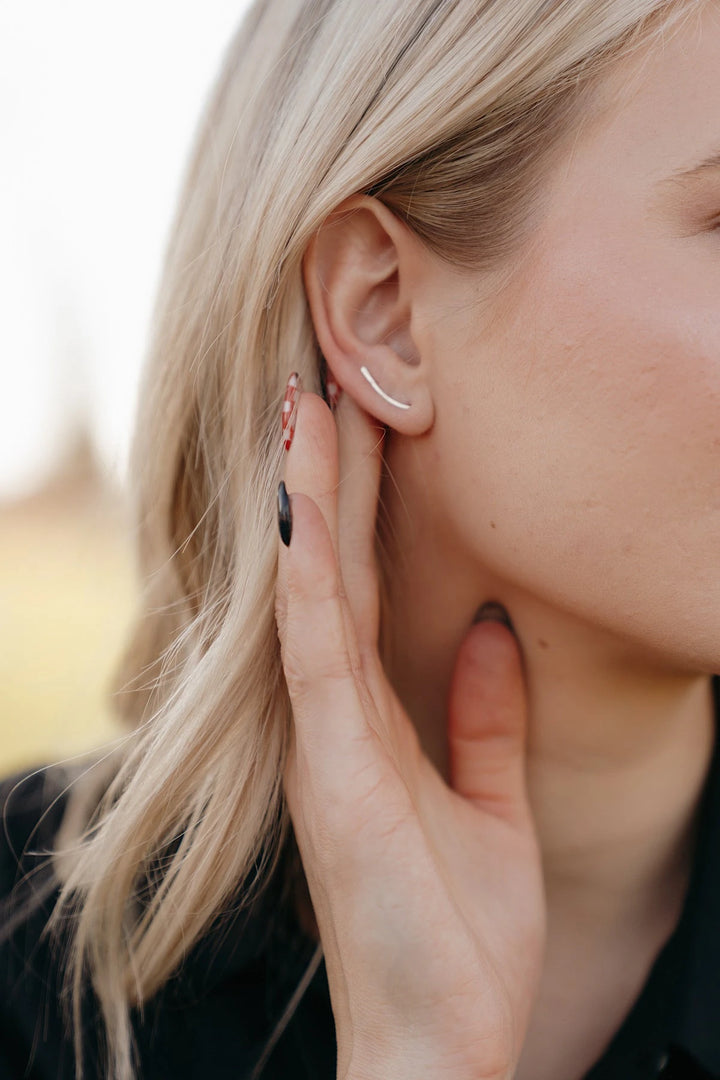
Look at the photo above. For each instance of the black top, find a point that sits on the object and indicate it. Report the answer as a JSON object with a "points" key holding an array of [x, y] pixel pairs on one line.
{"points": [[217, 1014]]}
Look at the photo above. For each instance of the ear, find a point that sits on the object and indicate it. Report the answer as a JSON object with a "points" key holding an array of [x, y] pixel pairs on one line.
{"points": [[361, 272]]}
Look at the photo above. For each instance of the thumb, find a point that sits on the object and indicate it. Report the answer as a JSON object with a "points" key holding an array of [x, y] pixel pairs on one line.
{"points": [[487, 722]]}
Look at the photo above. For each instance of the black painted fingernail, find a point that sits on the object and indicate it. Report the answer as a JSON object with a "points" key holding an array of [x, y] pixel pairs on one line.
{"points": [[495, 612], [284, 514]]}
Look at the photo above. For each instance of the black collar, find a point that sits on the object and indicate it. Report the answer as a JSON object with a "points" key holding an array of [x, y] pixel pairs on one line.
{"points": [[696, 1018]]}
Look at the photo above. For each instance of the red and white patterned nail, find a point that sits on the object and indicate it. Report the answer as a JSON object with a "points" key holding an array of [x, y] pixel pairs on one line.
{"points": [[289, 408], [332, 390]]}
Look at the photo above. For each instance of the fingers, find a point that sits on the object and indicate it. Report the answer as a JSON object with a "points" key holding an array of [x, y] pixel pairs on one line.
{"points": [[316, 654], [360, 447], [338, 462], [319, 645], [311, 463], [311, 468], [487, 720]]}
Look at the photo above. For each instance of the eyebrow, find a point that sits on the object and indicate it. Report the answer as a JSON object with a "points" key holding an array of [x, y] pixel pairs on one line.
{"points": [[695, 171]]}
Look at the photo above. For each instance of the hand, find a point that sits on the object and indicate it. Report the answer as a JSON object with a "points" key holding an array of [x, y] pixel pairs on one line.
{"points": [[428, 898]]}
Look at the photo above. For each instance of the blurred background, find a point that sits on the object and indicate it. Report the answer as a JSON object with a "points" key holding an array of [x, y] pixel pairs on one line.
{"points": [[98, 107]]}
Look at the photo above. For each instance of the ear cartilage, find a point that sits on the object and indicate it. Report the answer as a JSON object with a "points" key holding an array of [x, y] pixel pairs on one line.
{"points": [[386, 397]]}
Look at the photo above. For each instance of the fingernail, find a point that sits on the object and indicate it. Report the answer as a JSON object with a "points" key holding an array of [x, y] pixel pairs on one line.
{"points": [[289, 409], [493, 611], [333, 392], [329, 385], [284, 514]]}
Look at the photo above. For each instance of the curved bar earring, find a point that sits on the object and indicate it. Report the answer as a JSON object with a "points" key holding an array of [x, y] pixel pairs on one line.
{"points": [[400, 404]]}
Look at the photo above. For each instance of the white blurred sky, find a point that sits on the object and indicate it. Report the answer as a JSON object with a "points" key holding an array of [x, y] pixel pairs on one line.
{"points": [[98, 106]]}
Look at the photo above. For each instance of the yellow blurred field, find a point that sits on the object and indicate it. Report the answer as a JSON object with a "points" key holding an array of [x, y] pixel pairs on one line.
{"points": [[67, 594]]}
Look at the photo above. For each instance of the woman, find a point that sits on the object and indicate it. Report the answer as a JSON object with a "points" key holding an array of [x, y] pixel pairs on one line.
{"points": [[483, 233]]}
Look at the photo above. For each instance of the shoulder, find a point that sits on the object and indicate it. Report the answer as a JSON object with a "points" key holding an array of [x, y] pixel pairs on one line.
{"points": [[32, 804]]}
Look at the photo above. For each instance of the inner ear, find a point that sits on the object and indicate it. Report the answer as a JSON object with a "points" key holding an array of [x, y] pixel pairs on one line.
{"points": [[353, 283], [381, 316]]}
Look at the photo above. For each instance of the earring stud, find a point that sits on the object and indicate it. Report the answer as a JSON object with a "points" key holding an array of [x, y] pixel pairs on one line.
{"points": [[400, 404]]}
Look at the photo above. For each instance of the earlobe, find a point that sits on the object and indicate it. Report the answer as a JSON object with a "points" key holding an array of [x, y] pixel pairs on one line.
{"points": [[361, 272]]}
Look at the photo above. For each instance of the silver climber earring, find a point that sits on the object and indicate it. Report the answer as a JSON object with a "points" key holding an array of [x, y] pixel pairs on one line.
{"points": [[400, 404]]}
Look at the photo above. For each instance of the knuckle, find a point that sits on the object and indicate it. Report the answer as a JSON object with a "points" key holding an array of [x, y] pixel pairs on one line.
{"points": [[307, 674], [315, 650], [322, 590], [303, 675]]}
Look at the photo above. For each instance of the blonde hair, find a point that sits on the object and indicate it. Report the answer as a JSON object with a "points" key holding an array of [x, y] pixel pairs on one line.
{"points": [[450, 112]]}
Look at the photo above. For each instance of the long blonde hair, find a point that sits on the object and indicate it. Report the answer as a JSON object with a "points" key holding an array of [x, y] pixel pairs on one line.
{"points": [[450, 112]]}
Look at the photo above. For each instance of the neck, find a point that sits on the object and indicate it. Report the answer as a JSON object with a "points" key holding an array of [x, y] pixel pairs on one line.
{"points": [[618, 746]]}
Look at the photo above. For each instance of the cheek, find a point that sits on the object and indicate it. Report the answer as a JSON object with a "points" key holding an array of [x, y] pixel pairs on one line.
{"points": [[587, 431], [622, 386]]}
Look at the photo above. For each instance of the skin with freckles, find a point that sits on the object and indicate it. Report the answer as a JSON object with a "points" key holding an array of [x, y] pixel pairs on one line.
{"points": [[562, 456]]}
